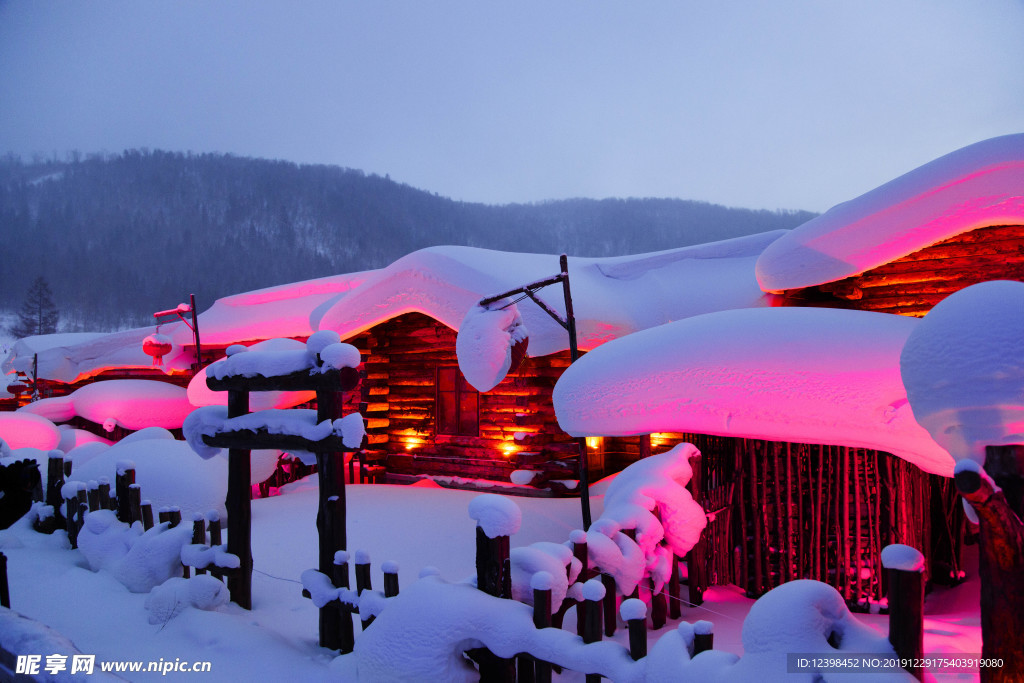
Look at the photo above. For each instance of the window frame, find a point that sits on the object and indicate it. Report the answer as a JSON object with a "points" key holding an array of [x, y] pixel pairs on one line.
{"points": [[462, 390]]}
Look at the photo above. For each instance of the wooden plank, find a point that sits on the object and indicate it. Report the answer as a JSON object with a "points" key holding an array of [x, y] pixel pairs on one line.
{"points": [[340, 379]]}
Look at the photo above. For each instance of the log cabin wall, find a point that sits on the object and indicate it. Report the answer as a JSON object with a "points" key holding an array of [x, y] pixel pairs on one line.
{"points": [[796, 511], [401, 357], [913, 284]]}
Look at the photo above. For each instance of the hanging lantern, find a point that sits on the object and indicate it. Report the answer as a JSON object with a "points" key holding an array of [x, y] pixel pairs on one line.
{"points": [[157, 345]]}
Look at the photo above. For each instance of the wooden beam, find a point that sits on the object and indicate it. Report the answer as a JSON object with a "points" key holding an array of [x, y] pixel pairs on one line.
{"points": [[337, 379]]}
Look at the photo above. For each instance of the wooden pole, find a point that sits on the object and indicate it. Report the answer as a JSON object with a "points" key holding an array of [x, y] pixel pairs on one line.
{"points": [[239, 505], [125, 478], [703, 637], [593, 594], [492, 556], [5, 590], [1001, 557], [346, 632], [103, 493], [904, 567], [609, 604], [199, 536], [330, 518], [636, 624], [55, 481], [146, 508], [135, 503], [541, 619], [195, 334], [574, 353]]}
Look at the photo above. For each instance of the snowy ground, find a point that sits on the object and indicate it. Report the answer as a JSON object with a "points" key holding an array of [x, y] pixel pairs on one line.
{"points": [[416, 526]]}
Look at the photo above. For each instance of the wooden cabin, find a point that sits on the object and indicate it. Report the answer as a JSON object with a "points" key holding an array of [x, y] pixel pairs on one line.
{"points": [[424, 419], [914, 284]]}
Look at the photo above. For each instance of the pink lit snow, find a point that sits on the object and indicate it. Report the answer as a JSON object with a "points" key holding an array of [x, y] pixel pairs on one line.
{"points": [[129, 403], [962, 366], [805, 375], [974, 187]]}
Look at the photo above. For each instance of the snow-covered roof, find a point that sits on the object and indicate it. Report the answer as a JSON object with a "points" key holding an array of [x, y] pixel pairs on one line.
{"points": [[805, 375], [974, 187], [612, 297]]}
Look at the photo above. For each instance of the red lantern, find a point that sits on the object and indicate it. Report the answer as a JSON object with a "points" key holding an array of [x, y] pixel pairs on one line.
{"points": [[157, 345]]}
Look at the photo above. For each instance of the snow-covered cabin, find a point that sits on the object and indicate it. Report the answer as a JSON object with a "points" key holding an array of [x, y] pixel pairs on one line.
{"points": [[906, 245]]}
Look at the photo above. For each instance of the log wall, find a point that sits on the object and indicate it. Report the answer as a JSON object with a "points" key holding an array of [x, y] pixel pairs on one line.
{"points": [[807, 511], [400, 360], [915, 283]]}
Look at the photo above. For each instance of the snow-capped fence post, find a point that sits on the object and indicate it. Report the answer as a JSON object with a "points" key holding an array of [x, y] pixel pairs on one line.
{"points": [[497, 518], [390, 570], [239, 505], [346, 637], [703, 636], [608, 581], [541, 585], [5, 590], [147, 514], [134, 503], [55, 481], [904, 568], [634, 613], [93, 493], [125, 478], [103, 493], [1001, 554], [593, 595]]}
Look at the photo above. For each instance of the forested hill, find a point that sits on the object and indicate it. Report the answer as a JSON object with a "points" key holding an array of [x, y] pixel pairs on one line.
{"points": [[119, 237]]}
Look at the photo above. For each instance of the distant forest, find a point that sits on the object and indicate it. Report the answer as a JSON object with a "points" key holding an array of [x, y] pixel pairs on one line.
{"points": [[118, 237]]}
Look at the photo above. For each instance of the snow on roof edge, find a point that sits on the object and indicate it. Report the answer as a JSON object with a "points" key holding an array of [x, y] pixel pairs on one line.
{"points": [[977, 186]]}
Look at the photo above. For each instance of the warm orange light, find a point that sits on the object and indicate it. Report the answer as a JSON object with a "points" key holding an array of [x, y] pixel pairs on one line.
{"points": [[593, 442], [411, 444], [508, 449]]}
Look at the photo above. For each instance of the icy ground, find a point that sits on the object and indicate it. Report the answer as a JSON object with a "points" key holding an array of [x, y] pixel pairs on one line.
{"points": [[415, 526]]}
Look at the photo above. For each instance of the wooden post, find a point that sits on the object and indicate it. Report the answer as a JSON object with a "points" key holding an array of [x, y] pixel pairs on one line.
{"points": [[593, 594], [93, 495], [125, 478], [55, 481], [390, 570], [659, 607], [103, 493], [135, 503], [147, 514], [578, 538], [215, 529], [608, 581], [239, 505], [346, 633], [904, 568], [5, 591], [703, 636], [541, 584], [1001, 557], [491, 564], [330, 517], [174, 516], [634, 613], [574, 353], [199, 536], [674, 592], [363, 580]]}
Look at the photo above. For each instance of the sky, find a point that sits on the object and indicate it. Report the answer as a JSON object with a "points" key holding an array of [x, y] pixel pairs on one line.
{"points": [[792, 104]]}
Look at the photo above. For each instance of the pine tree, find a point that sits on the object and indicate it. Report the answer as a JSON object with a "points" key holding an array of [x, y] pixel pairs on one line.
{"points": [[38, 314]]}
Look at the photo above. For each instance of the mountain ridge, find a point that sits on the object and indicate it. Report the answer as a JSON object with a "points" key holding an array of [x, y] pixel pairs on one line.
{"points": [[120, 236]]}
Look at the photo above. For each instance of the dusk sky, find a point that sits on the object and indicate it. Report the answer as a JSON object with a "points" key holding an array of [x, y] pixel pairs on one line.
{"points": [[762, 104]]}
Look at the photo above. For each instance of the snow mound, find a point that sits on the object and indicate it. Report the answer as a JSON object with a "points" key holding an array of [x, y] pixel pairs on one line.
{"points": [[25, 430], [806, 375], [974, 187], [177, 594], [130, 403], [484, 344], [902, 557], [496, 515], [963, 369], [168, 472]]}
